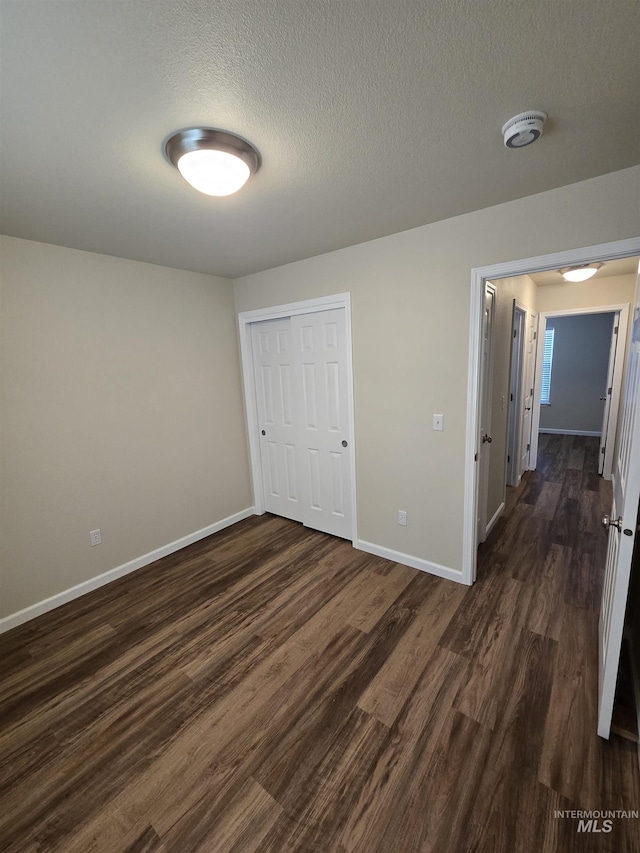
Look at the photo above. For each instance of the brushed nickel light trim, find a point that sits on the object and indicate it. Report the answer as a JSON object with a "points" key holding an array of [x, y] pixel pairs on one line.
{"points": [[196, 139]]}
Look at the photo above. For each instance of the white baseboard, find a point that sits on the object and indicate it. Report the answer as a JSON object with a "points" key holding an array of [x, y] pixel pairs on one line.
{"points": [[67, 595], [494, 518], [570, 432], [408, 560]]}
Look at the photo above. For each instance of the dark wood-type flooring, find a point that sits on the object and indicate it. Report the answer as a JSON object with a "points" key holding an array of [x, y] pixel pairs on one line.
{"points": [[272, 689]]}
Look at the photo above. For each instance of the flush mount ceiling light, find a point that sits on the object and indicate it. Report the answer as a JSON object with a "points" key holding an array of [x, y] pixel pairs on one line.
{"points": [[213, 161], [524, 128], [579, 273]]}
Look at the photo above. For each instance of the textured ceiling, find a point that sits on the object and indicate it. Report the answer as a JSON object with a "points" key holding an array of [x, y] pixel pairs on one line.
{"points": [[371, 117]]}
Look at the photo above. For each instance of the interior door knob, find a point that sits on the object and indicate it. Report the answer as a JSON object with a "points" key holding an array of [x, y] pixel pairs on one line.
{"points": [[487, 439], [608, 522]]}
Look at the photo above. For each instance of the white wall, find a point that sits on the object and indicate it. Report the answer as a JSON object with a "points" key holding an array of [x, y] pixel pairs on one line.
{"points": [[581, 349], [121, 410], [410, 300]]}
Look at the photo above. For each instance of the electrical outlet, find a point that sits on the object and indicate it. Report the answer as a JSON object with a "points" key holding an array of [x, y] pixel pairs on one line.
{"points": [[438, 422], [402, 517], [96, 537]]}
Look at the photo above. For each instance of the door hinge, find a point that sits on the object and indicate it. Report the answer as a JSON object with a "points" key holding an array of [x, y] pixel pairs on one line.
{"points": [[515, 333], [535, 336], [531, 392], [602, 450], [528, 447], [508, 459], [475, 458], [615, 331], [511, 398], [609, 390]]}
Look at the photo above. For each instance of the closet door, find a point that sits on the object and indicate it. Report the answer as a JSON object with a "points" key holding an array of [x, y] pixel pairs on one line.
{"points": [[301, 380], [324, 437], [275, 382]]}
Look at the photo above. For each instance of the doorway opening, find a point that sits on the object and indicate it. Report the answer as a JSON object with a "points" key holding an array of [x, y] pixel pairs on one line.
{"points": [[588, 351], [480, 277], [554, 532]]}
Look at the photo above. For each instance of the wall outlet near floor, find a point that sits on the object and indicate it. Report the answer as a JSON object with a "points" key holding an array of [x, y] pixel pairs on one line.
{"points": [[402, 517], [95, 537]]}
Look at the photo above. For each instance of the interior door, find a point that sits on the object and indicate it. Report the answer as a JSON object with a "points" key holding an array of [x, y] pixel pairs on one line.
{"points": [[324, 435], [622, 529], [274, 369], [605, 438], [486, 391], [529, 373], [302, 400], [516, 387]]}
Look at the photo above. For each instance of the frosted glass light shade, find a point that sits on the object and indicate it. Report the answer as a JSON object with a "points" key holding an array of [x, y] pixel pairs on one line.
{"points": [[214, 172], [214, 162], [581, 273]]}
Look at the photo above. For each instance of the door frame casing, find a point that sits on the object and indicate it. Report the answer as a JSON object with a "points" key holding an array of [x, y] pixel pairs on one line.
{"points": [[588, 254], [276, 312], [616, 385]]}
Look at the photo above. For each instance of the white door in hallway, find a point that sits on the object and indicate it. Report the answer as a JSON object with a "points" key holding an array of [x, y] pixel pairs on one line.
{"points": [[300, 366], [622, 530], [484, 438], [529, 372]]}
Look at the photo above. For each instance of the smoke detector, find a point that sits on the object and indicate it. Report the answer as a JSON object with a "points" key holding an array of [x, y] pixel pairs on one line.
{"points": [[524, 128]]}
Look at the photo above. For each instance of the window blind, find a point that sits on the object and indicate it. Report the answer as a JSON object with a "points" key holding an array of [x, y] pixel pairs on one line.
{"points": [[547, 361]]}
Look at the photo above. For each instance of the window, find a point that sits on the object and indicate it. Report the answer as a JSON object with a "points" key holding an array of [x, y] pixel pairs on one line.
{"points": [[547, 361]]}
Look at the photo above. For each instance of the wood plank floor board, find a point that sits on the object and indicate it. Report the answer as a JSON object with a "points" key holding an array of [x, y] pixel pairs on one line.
{"points": [[572, 484], [500, 815], [564, 527], [584, 580], [292, 760], [531, 485], [147, 842], [547, 501], [378, 820], [270, 688], [474, 615], [238, 828], [387, 692], [576, 770], [527, 557], [576, 457], [489, 674], [546, 614]]}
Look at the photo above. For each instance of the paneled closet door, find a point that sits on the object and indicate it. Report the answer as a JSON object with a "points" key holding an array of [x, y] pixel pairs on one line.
{"points": [[275, 381], [324, 435], [301, 379]]}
